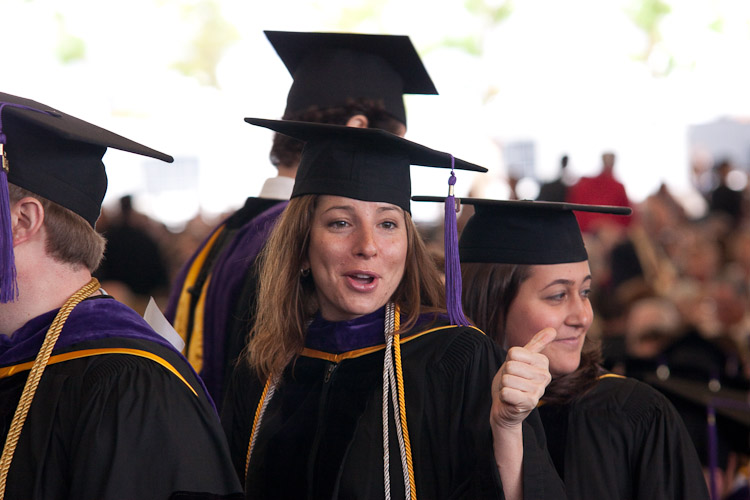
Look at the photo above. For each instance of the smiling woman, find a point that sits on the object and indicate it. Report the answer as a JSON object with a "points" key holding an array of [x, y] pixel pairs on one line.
{"points": [[356, 384], [357, 255], [525, 268]]}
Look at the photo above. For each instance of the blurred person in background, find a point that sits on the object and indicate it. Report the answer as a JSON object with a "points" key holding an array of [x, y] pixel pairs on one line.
{"points": [[557, 189], [601, 189], [133, 257], [723, 199]]}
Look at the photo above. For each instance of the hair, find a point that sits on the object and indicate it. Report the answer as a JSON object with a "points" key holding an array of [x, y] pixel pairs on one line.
{"points": [[287, 151], [70, 239], [287, 302], [488, 292]]}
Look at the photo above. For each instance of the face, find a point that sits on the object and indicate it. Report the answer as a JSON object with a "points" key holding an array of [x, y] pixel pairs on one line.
{"points": [[554, 296], [356, 256]]}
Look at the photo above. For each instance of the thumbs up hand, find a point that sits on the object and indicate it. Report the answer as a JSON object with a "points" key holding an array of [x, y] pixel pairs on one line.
{"points": [[521, 380]]}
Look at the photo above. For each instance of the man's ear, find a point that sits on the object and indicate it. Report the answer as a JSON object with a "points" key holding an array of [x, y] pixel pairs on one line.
{"points": [[358, 121], [27, 219]]}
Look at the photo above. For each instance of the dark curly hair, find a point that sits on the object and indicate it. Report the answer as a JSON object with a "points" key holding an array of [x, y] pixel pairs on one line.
{"points": [[287, 151]]}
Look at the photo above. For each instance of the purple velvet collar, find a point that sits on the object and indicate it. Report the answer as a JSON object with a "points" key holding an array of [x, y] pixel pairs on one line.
{"points": [[92, 319], [345, 336], [359, 333]]}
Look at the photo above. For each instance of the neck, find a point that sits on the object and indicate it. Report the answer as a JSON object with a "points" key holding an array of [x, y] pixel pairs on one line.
{"points": [[287, 171], [52, 284]]}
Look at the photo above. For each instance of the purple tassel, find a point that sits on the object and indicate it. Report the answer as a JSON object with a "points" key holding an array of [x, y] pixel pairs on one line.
{"points": [[8, 285], [712, 451], [452, 263]]}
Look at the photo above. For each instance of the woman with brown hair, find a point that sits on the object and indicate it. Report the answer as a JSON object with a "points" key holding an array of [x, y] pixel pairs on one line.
{"points": [[525, 268], [357, 384]]}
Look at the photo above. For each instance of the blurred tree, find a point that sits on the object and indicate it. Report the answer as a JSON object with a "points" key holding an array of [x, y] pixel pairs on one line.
{"points": [[70, 48], [648, 15], [214, 35]]}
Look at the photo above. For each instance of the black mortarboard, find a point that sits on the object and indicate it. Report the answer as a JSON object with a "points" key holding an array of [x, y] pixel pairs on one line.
{"points": [[56, 156], [525, 232], [330, 68], [362, 163]]}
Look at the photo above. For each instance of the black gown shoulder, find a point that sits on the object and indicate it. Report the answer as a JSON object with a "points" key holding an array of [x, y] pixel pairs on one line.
{"points": [[623, 440], [116, 426]]}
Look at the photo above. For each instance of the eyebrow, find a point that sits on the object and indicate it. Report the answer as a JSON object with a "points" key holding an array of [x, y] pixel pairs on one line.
{"points": [[565, 282], [350, 208]]}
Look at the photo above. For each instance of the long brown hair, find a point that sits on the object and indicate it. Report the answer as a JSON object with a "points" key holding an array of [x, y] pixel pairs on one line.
{"points": [[287, 301], [488, 292]]}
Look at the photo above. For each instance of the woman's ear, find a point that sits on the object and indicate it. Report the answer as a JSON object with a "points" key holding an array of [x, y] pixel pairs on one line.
{"points": [[27, 218], [358, 121]]}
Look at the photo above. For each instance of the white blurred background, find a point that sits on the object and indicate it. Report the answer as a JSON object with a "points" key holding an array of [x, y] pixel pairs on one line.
{"points": [[521, 83]]}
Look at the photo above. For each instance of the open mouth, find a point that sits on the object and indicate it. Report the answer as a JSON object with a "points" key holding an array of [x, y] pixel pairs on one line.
{"points": [[364, 279]]}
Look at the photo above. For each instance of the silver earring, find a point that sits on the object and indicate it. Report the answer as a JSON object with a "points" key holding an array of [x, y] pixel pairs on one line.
{"points": [[304, 272]]}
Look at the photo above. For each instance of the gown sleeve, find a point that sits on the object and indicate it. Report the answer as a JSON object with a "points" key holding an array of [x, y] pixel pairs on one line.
{"points": [[237, 412], [666, 464]]}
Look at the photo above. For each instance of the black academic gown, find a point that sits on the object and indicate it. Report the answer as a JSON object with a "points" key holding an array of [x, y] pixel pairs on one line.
{"points": [[321, 435], [213, 280], [623, 441], [114, 418]]}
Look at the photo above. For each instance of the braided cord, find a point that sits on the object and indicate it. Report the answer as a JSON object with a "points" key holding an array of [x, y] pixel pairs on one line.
{"points": [[411, 492], [395, 390], [268, 391], [399, 426], [35, 375], [387, 364]]}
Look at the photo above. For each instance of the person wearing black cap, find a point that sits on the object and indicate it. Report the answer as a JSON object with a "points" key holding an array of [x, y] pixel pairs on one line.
{"points": [[525, 267], [352, 337], [93, 402], [339, 78]]}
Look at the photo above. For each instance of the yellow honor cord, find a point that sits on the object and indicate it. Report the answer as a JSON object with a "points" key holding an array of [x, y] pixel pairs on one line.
{"points": [[402, 405]]}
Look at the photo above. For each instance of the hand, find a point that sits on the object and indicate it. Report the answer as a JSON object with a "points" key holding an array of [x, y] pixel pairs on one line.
{"points": [[520, 382]]}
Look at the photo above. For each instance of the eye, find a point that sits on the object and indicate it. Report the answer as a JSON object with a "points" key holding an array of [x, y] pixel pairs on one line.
{"points": [[338, 224], [389, 224], [557, 297], [585, 293]]}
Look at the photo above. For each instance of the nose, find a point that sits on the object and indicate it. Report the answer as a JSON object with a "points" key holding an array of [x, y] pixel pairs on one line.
{"points": [[581, 313], [365, 245]]}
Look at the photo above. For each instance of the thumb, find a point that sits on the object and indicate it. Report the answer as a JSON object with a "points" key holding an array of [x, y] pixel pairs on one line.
{"points": [[541, 339]]}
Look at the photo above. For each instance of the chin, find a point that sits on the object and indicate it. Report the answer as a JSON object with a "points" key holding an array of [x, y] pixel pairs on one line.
{"points": [[564, 368]]}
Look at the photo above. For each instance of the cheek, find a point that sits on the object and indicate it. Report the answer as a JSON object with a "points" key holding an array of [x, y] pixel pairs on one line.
{"points": [[525, 321], [323, 252], [396, 256], [520, 326]]}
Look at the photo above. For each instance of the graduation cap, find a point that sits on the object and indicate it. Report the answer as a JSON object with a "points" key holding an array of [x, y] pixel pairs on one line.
{"points": [[330, 68], [56, 156], [363, 163], [371, 165], [525, 232]]}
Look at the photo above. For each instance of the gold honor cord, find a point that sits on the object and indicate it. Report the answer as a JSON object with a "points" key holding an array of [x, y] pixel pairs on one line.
{"points": [[402, 407], [35, 375], [268, 391]]}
